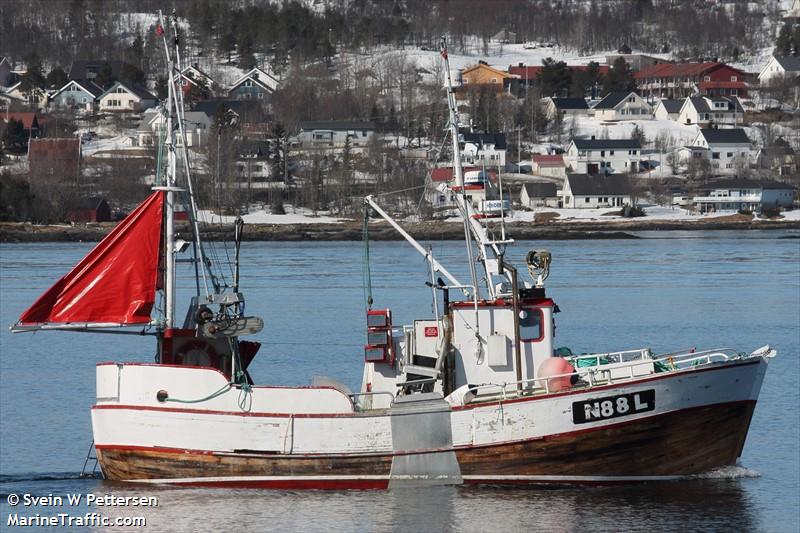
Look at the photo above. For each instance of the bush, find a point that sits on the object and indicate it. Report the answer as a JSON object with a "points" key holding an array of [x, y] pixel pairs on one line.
{"points": [[770, 212], [745, 212], [632, 211]]}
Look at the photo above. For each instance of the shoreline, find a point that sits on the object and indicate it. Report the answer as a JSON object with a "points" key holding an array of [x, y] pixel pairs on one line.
{"points": [[12, 232]]}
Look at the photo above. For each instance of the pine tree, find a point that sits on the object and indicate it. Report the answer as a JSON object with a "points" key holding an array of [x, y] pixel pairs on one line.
{"points": [[57, 78], [784, 45], [15, 139]]}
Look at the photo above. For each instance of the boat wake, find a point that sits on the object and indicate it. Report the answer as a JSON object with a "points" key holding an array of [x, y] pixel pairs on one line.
{"points": [[54, 476], [729, 472]]}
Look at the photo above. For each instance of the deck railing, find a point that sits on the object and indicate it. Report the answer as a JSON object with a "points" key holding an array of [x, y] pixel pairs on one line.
{"points": [[601, 373]]}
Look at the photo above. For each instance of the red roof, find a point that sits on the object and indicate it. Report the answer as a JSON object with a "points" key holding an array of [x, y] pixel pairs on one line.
{"points": [[548, 160], [27, 119], [446, 173], [679, 70], [703, 85], [532, 72]]}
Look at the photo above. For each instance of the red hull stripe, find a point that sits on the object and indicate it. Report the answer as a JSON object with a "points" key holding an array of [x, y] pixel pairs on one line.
{"points": [[124, 447]]}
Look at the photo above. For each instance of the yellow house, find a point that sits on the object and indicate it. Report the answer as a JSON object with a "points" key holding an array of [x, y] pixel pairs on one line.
{"points": [[483, 74]]}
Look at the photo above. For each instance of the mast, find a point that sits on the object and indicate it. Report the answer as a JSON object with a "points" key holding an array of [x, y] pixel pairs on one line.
{"points": [[170, 188], [472, 227]]}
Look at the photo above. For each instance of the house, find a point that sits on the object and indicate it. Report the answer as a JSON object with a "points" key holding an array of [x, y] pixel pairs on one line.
{"points": [[124, 97], [727, 150], [194, 79], [94, 209], [482, 74], [549, 165], [622, 105], [253, 167], [79, 95], [679, 80], [566, 107], [668, 109], [603, 156], [196, 123], [478, 187], [33, 97], [538, 195], [255, 84], [334, 134], [717, 111], [505, 37], [582, 191], [779, 158], [7, 75], [743, 195], [779, 69], [483, 149], [30, 122], [55, 158]]}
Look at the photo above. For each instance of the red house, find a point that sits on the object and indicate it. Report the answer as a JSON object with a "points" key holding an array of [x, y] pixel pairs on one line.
{"points": [[94, 209], [679, 80]]}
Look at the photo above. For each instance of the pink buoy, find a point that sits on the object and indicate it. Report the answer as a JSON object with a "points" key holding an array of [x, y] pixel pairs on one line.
{"points": [[556, 366]]}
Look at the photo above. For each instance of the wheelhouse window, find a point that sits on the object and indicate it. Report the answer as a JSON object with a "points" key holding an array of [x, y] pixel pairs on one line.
{"points": [[530, 325]]}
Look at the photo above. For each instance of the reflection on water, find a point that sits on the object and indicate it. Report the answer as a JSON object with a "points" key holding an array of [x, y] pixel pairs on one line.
{"points": [[698, 505]]}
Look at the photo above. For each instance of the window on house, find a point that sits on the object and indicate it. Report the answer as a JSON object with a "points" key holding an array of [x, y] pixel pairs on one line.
{"points": [[611, 152], [602, 153], [734, 92], [729, 154], [734, 78], [582, 153], [714, 155], [707, 78], [586, 200], [729, 165]]}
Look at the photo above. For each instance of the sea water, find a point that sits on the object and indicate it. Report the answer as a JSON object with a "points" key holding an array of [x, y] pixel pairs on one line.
{"points": [[665, 290]]}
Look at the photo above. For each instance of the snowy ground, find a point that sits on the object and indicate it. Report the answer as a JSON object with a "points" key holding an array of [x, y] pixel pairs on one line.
{"points": [[262, 216]]}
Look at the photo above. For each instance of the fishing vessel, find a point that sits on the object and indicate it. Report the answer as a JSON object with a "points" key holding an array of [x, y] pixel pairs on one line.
{"points": [[476, 393]]}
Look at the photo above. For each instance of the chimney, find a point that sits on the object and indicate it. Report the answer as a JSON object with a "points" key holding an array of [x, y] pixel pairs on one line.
{"points": [[592, 138], [521, 64]]}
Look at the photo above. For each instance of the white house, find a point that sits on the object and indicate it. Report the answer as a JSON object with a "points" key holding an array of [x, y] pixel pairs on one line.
{"points": [[603, 156], [483, 149], [779, 68], [738, 194], [122, 97], [717, 111], [582, 191], [152, 126], [667, 109], [549, 165], [538, 195], [334, 134], [77, 95], [728, 150], [621, 105]]}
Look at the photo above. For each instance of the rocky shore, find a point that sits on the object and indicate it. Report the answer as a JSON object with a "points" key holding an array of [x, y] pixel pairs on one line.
{"points": [[379, 231]]}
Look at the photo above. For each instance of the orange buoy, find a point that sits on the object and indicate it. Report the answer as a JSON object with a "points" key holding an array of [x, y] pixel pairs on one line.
{"points": [[556, 366]]}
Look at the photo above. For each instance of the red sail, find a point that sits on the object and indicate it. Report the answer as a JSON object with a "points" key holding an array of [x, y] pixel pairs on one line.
{"points": [[116, 283]]}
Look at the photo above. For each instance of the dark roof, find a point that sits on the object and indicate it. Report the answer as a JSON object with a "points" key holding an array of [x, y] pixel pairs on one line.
{"points": [[739, 183], [673, 106], [336, 125], [570, 103], [612, 99], [724, 136], [586, 185], [791, 63], [540, 190], [701, 104], [136, 90], [497, 139], [597, 144]]}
